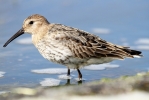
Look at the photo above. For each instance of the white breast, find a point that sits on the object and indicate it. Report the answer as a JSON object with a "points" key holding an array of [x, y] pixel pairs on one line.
{"points": [[53, 51]]}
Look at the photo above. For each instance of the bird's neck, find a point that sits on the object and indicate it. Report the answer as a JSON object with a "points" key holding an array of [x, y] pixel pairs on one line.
{"points": [[40, 33]]}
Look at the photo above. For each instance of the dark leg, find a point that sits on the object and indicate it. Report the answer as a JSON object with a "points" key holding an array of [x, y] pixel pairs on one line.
{"points": [[80, 75], [68, 72]]}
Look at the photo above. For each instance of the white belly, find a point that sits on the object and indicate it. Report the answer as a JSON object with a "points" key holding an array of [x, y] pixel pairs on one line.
{"points": [[79, 63], [58, 53]]}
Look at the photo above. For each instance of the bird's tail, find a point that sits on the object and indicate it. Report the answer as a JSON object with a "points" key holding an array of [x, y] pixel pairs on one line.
{"points": [[134, 53]]}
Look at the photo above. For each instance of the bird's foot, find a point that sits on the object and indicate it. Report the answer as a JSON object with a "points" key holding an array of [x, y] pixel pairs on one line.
{"points": [[80, 81]]}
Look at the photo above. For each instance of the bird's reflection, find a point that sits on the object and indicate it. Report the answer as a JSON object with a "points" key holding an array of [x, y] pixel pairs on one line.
{"points": [[68, 82]]}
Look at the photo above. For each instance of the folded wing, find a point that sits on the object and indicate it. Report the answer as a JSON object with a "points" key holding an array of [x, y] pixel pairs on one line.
{"points": [[86, 45]]}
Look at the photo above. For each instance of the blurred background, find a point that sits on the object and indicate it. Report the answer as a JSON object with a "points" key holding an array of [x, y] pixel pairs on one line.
{"points": [[122, 22]]}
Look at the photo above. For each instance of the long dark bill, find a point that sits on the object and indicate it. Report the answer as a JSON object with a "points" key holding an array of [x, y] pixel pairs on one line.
{"points": [[19, 33]]}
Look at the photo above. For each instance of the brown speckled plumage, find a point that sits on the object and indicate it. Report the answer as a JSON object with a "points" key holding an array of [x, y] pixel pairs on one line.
{"points": [[86, 45], [69, 46]]}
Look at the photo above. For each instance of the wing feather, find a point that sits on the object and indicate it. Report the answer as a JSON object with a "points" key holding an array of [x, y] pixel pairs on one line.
{"points": [[85, 45]]}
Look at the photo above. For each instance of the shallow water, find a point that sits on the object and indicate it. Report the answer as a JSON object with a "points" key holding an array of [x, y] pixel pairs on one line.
{"points": [[121, 22]]}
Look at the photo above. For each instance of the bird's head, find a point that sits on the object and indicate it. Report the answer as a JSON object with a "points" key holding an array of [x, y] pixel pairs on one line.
{"points": [[32, 25]]}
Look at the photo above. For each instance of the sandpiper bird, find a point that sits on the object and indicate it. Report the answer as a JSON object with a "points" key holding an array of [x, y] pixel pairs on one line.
{"points": [[69, 46]]}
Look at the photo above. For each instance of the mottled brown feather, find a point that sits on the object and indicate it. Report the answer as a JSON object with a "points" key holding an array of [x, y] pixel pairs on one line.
{"points": [[85, 45]]}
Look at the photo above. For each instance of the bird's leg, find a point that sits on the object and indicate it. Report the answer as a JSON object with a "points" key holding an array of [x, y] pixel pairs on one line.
{"points": [[79, 75], [68, 72]]}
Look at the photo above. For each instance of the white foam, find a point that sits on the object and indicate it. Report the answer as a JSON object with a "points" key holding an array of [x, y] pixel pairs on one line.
{"points": [[142, 41], [101, 66], [51, 71], [77, 79], [3, 92], [142, 47], [50, 82], [27, 40], [143, 44], [101, 30], [64, 76], [1, 74]]}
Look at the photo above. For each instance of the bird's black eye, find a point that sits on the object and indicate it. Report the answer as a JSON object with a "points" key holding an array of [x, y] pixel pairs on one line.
{"points": [[31, 22]]}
